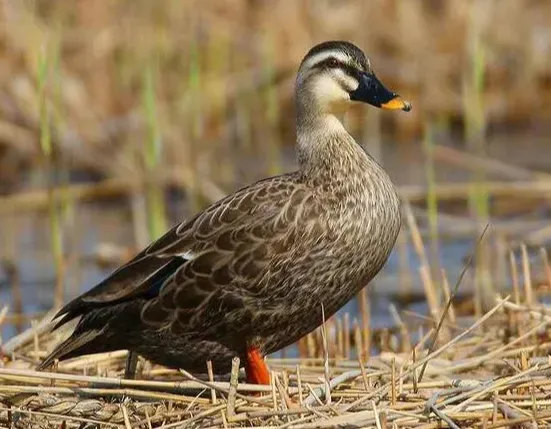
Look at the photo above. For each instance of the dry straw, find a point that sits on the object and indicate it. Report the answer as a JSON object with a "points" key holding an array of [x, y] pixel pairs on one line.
{"points": [[382, 390]]}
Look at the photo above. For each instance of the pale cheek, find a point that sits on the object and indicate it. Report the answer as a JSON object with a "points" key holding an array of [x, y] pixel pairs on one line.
{"points": [[328, 92], [351, 83], [347, 82]]}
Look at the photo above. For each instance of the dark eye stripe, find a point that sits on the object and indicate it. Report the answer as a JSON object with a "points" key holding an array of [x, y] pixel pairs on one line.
{"points": [[351, 71], [348, 69]]}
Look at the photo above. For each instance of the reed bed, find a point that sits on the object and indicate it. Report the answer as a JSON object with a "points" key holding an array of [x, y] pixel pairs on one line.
{"points": [[440, 371], [144, 98], [200, 85]]}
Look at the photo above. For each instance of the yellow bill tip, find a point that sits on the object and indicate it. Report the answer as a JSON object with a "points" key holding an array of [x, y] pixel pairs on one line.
{"points": [[397, 104]]}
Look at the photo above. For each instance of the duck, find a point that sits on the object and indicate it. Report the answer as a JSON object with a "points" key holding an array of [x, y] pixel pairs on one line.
{"points": [[264, 266]]}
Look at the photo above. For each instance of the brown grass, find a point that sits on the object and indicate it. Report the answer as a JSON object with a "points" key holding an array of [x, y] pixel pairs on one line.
{"points": [[483, 376], [197, 96], [223, 72]]}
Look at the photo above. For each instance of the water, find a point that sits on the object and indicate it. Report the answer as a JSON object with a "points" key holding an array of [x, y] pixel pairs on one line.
{"points": [[99, 224], [25, 237]]}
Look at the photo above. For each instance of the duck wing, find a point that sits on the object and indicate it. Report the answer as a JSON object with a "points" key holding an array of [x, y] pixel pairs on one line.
{"points": [[221, 255]]}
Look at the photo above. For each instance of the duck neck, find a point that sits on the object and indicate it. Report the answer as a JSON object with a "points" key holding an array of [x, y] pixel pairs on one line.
{"points": [[327, 152]]}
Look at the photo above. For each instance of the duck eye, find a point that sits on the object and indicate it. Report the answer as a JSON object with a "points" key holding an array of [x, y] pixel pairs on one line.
{"points": [[332, 62]]}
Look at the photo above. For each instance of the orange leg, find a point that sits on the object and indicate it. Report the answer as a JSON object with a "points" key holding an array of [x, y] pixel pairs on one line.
{"points": [[256, 369]]}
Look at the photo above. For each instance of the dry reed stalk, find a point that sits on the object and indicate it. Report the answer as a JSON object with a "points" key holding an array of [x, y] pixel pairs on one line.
{"points": [[90, 361], [358, 340], [37, 200], [273, 390], [516, 289], [451, 298], [511, 412], [432, 201], [276, 388], [299, 386], [146, 395], [430, 293], [148, 420], [64, 417], [424, 269], [326, 371], [127, 424], [444, 417], [347, 333], [286, 403], [199, 416], [529, 294], [444, 99], [405, 344], [376, 414], [331, 345], [139, 219], [501, 247], [460, 191], [448, 297], [416, 238], [455, 340], [474, 362], [285, 378], [340, 338], [210, 373], [546, 265], [232, 392], [366, 324], [364, 375], [535, 312], [423, 338], [406, 283], [495, 409], [490, 388], [539, 236], [513, 422], [471, 161], [393, 382], [311, 345], [21, 318], [195, 384], [27, 336], [398, 403], [3, 314]]}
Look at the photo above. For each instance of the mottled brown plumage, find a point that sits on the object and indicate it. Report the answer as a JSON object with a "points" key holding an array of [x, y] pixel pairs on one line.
{"points": [[254, 269]]}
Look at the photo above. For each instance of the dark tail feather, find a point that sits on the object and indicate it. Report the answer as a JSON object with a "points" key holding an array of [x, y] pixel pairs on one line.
{"points": [[61, 320], [69, 348]]}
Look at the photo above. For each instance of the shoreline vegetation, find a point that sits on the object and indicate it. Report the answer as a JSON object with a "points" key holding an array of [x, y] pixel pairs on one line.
{"points": [[147, 103]]}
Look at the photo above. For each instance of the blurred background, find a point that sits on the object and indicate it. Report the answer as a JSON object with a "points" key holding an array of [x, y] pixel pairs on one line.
{"points": [[119, 118]]}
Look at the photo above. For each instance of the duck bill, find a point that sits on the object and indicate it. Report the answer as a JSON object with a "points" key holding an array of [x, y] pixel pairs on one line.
{"points": [[372, 91]]}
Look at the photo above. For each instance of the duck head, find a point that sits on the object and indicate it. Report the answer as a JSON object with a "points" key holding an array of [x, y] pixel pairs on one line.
{"points": [[334, 74]]}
